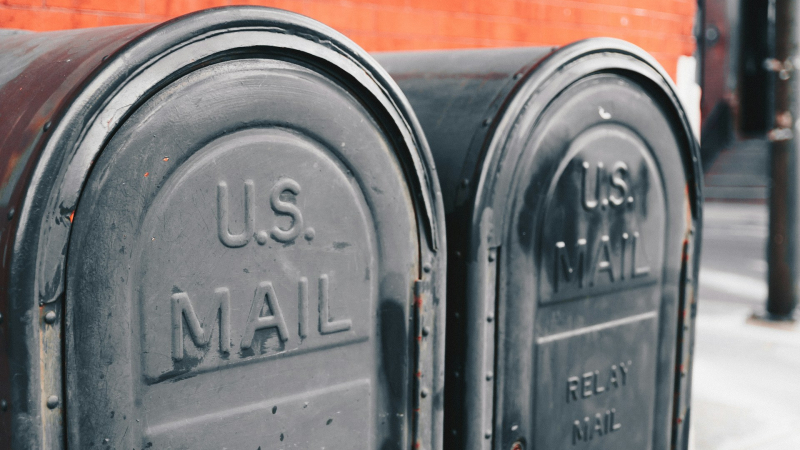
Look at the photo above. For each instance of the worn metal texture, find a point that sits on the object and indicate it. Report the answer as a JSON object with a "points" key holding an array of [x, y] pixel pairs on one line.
{"points": [[223, 231], [40, 75], [572, 184]]}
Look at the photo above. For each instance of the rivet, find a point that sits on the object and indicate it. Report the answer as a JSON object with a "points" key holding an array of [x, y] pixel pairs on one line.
{"points": [[426, 268], [46, 125], [487, 122], [423, 393], [106, 441], [489, 376], [488, 434], [491, 256], [3, 405], [426, 331], [1, 318], [52, 401], [490, 317], [50, 317], [517, 76], [11, 213]]}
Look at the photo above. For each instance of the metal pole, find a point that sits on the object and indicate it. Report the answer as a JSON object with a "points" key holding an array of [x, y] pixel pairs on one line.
{"points": [[782, 245]]}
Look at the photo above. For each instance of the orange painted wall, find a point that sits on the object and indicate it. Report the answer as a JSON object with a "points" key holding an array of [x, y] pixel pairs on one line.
{"points": [[662, 27]]}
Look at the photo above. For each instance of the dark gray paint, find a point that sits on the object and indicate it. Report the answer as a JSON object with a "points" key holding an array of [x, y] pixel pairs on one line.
{"points": [[118, 231], [510, 131]]}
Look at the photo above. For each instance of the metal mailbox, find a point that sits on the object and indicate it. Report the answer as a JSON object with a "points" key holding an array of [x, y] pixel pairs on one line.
{"points": [[219, 232], [572, 195]]}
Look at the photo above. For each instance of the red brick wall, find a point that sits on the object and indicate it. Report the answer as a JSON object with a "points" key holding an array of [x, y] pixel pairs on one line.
{"points": [[662, 27]]}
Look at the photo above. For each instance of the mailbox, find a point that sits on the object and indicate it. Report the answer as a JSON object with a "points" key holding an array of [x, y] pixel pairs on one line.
{"points": [[572, 194], [223, 231]]}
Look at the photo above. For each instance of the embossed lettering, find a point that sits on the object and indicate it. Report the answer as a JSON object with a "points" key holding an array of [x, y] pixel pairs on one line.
{"points": [[598, 389], [265, 312], [619, 173], [614, 425], [223, 230], [618, 182], [623, 251], [580, 431], [286, 208], [624, 370], [597, 382], [586, 185], [302, 326], [598, 424], [326, 326], [264, 298], [603, 261], [613, 381], [182, 309], [572, 388], [579, 268], [587, 429], [279, 204], [587, 385], [562, 264], [638, 271]]}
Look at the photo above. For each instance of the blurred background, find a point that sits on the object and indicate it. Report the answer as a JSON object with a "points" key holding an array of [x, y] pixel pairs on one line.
{"points": [[738, 53], [662, 27]]}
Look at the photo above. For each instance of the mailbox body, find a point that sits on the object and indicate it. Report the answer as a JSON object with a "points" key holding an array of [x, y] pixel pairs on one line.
{"points": [[572, 193], [221, 231]]}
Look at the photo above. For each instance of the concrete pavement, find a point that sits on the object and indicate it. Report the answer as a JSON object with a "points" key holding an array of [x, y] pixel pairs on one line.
{"points": [[746, 385]]}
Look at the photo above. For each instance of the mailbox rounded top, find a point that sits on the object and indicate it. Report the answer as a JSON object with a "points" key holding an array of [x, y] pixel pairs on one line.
{"points": [[541, 84]]}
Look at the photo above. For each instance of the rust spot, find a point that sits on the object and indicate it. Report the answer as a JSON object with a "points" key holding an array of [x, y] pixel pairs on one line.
{"points": [[419, 338], [146, 174], [418, 301], [71, 216], [418, 374], [166, 158]]}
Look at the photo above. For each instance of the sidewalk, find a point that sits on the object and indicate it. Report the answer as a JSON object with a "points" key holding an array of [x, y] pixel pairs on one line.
{"points": [[746, 389], [746, 379]]}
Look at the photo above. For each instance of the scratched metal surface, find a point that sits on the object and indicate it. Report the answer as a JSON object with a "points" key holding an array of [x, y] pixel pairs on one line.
{"points": [[39, 74], [572, 189], [166, 180]]}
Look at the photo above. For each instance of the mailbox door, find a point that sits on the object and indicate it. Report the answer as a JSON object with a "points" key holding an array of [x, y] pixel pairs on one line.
{"points": [[572, 186], [588, 262], [251, 261]]}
